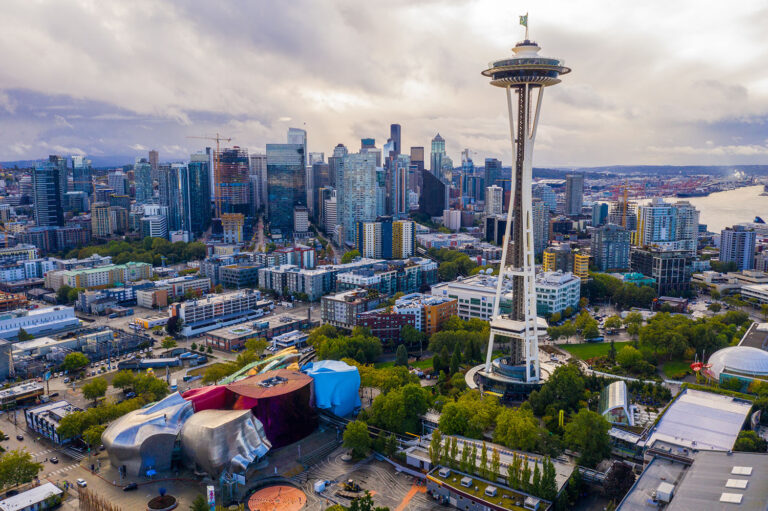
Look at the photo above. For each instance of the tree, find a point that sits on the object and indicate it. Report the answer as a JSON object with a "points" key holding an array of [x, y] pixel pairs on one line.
{"points": [[454, 452], [629, 358], [24, 336], [95, 389], [17, 467], [168, 343], [92, 435], [411, 337], [174, 325], [514, 472], [749, 441], [612, 352], [153, 389], [365, 503], [715, 294], [199, 504], [548, 481], [456, 360], [257, 345], [554, 318], [357, 439], [123, 379], [588, 434], [525, 476], [715, 307], [62, 295], [435, 445], [401, 356], [391, 445], [764, 311], [613, 323], [74, 361], [348, 257], [619, 480], [483, 469], [536, 481], [209, 350], [516, 428], [495, 465], [590, 331], [193, 346], [399, 410]]}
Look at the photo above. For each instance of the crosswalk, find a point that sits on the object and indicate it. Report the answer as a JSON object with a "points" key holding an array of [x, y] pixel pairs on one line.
{"points": [[62, 470]]}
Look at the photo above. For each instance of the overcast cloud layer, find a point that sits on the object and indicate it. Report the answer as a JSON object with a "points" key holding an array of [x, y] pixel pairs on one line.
{"points": [[653, 82]]}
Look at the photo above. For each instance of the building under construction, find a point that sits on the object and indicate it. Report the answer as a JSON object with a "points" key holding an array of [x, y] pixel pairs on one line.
{"points": [[232, 184]]}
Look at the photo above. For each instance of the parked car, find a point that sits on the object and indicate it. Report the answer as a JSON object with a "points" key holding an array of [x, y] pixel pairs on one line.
{"points": [[20, 438], [131, 486], [66, 380], [82, 483], [54, 460]]}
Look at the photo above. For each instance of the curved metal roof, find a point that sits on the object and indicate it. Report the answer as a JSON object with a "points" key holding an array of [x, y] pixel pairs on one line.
{"points": [[743, 360]]}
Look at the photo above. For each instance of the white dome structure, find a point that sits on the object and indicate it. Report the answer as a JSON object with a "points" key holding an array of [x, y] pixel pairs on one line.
{"points": [[743, 362]]}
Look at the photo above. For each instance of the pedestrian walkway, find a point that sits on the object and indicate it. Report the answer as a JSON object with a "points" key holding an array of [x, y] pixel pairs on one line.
{"points": [[63, 469]]}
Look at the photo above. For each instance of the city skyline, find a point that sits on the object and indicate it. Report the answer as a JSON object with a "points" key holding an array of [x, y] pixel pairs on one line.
{"points": [[652, 87]]}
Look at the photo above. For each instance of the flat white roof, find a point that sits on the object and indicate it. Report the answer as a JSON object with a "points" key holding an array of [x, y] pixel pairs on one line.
{"points": [[30, 497], [701, 421]]}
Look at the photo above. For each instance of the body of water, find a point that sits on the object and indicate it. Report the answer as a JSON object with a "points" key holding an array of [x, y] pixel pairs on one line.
{"points": [[725, 209]]}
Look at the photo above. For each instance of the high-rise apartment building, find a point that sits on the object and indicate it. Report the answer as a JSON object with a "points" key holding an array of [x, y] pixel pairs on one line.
{"points": [[540, 226], [100, 220], [286, 184], [545, 193], [359, 187], [198, 190], [174, 195], [737, 245], [118, 181], [492, 171], [668, 226], [257, 176], [82, 175], [395, 133], [494, 200], [574, 193], [610, 247], [400, 184], [47, 193], [232, 227], [385, 238], [599, 214], [142, 175]]}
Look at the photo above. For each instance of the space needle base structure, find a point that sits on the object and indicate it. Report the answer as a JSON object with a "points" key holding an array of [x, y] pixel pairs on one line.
{"points": [[514, 375]]}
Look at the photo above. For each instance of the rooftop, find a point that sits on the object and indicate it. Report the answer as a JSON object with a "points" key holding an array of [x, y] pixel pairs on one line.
{"points": [[24, 388], [756, 336], [700, 421], [30, 497]]}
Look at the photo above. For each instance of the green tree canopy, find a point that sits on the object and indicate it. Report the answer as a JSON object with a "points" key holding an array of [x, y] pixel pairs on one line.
{"points": [[587, 433], [123, 379], [357, 439], [17, 467], [349, 256], [75, 361], [401, 356], [516, 428], [95, 389]]}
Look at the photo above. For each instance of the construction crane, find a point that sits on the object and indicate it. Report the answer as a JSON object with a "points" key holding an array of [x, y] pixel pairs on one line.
{"points": [[216, 176]]}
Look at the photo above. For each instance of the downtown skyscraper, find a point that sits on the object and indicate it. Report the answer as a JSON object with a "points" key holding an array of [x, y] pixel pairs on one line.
{"points": [[48, 179], [286, 184], [198, 189], [574, 194], [142, 176], [359, 185]]}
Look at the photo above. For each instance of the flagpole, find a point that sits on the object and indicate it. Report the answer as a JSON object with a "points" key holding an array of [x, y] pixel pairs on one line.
{"points": [[526, 26]]}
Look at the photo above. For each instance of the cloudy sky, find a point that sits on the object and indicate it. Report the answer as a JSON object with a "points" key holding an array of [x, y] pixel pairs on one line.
{"points": [[653, 82]]}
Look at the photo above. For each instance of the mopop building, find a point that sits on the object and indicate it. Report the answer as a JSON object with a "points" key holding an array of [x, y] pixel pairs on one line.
{"points": [[523, 76]]}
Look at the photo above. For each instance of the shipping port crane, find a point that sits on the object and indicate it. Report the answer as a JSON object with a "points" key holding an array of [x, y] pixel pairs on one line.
{"points": [[216, 176]]}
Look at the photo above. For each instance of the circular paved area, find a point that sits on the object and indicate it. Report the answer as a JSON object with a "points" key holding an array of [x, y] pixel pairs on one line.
{"points": [[277, 498]]}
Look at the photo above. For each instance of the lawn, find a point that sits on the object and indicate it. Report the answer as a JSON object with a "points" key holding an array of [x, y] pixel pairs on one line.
{"points": [[677, 369], [591, 350]]}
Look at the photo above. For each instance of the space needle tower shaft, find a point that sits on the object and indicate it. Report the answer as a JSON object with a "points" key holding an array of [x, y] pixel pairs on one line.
{"points": [[524, 77]]}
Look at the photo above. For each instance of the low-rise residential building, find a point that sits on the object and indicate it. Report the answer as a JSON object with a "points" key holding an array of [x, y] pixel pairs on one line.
{"points": [[670, 268], [475, 295], [556, 291], [342, 309], [101, 276], [233, 337], [430, 312], [45, 419]]}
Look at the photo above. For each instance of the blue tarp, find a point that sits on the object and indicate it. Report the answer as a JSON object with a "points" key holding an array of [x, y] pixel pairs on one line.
{"points": [[337, 386]]}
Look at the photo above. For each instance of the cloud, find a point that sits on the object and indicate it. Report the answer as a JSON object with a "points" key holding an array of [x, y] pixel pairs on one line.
{"points": [[106, 76]]}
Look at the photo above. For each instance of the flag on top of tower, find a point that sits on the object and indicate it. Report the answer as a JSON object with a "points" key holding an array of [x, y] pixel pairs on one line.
{"points": [[524, 20]]}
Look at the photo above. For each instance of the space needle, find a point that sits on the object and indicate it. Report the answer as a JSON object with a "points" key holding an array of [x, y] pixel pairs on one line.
{"points": [[523, 76]]}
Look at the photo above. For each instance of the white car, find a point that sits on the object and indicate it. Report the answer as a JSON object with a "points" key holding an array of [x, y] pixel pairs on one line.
{"points": [[81, 483]]}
